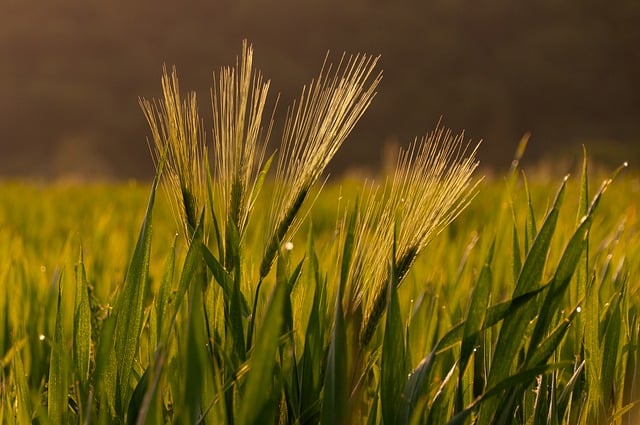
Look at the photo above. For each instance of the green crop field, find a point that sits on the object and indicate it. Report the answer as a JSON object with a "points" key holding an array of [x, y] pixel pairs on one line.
{"points": [[238, 289]]}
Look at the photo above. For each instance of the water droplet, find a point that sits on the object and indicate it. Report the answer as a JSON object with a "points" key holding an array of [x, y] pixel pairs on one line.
{"points": [[43, 269], [579, 309], [288, 246], [41, 337]]}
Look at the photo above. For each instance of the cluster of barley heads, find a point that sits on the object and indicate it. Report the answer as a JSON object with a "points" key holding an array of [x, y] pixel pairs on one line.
{"points": [[214, 185], [432, 182]]}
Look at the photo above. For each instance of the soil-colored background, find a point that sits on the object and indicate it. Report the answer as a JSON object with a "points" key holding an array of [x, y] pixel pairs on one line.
{"points": [[71, 72]]}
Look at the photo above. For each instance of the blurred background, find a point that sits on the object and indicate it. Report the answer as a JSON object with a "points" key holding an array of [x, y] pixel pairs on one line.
{"points": [[71, 73]]}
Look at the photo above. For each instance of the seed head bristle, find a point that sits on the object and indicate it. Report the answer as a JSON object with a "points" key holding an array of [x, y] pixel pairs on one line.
{"points": [[434, 183], [177, 133], [374, 228], [238, 100], [431, 186], [316, 126]]}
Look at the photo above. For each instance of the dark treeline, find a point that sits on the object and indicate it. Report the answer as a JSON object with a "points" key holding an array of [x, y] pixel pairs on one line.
{"points": [[71, 72]]}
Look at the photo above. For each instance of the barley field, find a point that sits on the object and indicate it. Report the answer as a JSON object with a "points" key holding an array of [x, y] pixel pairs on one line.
{"points": [[237, 288]]}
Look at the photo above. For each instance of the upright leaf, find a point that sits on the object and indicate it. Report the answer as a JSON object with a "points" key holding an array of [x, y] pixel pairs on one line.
{"points": [[192, 264], [233, 310], [512, 332], [82, 323], [611, 347], [129, 307], [310, 381], [477, 312], [415, 389], [105, 376], [164, 291], [392, 370], [561, 280], [336, 393], [198, 363], [531, 227], [23, 403], [442, 402], [58, 378], [258, 394]]}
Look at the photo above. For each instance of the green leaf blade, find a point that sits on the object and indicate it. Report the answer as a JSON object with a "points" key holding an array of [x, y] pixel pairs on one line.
{"points": [[129, 306]]}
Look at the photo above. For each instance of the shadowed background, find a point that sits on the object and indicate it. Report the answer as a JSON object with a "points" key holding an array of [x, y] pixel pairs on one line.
{"points": [[71, 73]]}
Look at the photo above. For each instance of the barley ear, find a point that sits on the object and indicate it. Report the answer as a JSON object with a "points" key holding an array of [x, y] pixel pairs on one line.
{"points": [[431, 186], [373, 319], [238, 98], [316, 126], [179, 147]]}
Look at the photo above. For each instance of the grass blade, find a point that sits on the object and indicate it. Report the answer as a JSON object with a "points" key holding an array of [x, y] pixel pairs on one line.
{"points": [[259, 395], [135, 404], [106, 369], [579, 288], [512, 332], [164, 291], [82, 323], [415, 388], [57, 394], [563, 399], [23, 403], [288, 351], [560, 283], [233, 310], [495, 314], [392, 370], [192, 263], [517, 262], [611, 347], [144, 409], [336, 392], [222, 277], [477, 312], [541, 352], [531, 228], [442, 402], [312, 356], [129, 307], [509, 382], [198, 364], [592, 350], [536, 258]]}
